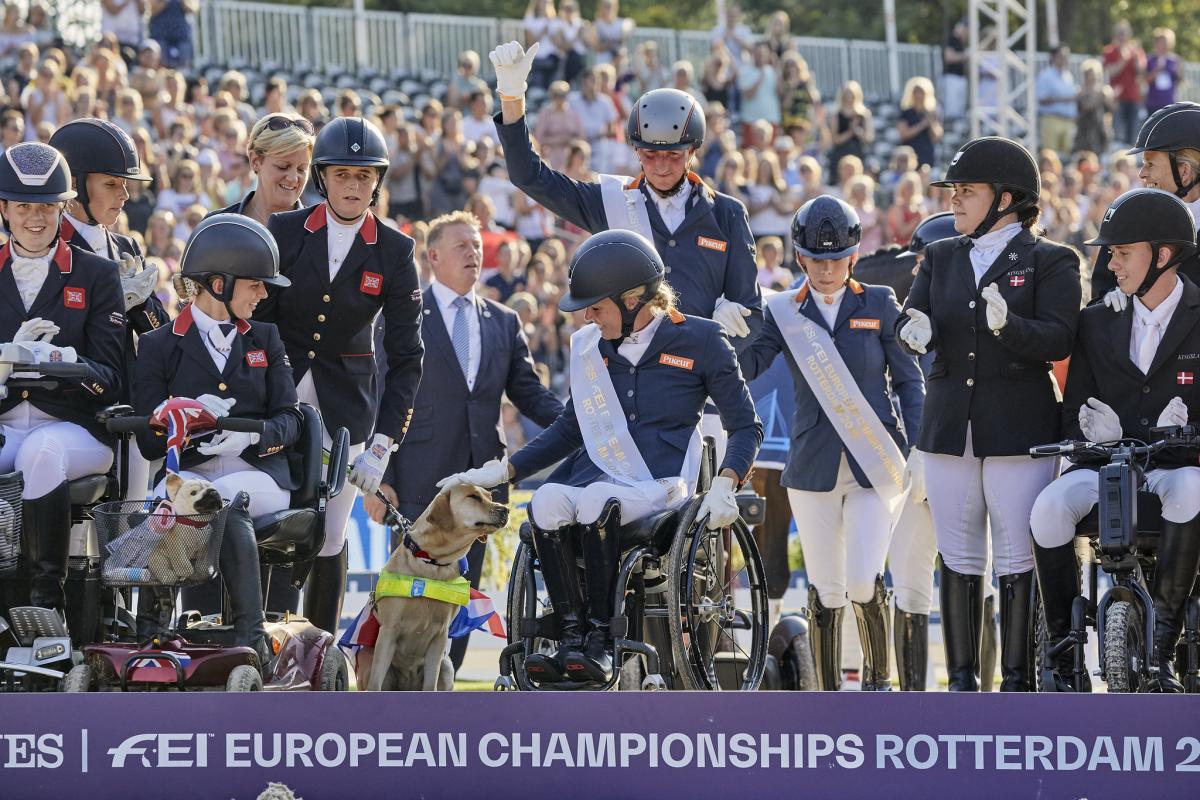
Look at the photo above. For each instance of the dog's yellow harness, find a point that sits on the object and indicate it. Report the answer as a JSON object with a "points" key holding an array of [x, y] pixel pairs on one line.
{"points": [[455, 592]]}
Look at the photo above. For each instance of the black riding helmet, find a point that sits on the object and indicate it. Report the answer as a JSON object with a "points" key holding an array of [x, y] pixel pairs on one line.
{"points": [[933, 228], [231, 246], [826, 228], [1004, 165], [666, 119], [1153, 216], [96, 145], [353, 142], [608, 265], [32, 172], [1172, 128]]}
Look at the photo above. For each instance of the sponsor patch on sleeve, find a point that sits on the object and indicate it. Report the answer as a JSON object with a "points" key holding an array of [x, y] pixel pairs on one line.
{"points": [[117, 318], [712, 244], [256, 358], [676, 361], [371, 283], [864, 324]]}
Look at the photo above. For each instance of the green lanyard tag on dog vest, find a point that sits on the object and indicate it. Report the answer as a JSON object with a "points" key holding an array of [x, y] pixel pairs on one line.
{"points": [[456, 592]]}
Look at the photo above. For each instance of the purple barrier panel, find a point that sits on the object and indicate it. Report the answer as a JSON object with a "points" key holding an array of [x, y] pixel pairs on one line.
{"points": [[668, 745]]}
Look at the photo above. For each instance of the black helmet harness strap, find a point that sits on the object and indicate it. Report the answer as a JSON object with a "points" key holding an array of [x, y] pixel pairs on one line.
{"points": [[1181, 191], [12, 235], [995, 212], [1156, 272], [81, 196], [226, 293], [629, 315]]}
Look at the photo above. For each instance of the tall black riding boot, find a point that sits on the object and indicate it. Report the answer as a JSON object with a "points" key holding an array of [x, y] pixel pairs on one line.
{"points": [[911, 637], [48, 541], [1174, 574], [872, 618], [1058, 581], [962, 617], [825, 636], [239, 566], [601, 559], [324, 590], [556, 553], [1016, 632]]}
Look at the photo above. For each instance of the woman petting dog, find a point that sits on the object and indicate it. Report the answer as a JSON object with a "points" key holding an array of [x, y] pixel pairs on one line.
{"points": [[215, 354], [657, 367]]}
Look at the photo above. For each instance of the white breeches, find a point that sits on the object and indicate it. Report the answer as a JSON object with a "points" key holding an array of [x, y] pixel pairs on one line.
{"points": [[337, 513], [230, 475], [967, 493], [1070, 498], [844, 534], [556, 505], [911, 559], [49, 451]]}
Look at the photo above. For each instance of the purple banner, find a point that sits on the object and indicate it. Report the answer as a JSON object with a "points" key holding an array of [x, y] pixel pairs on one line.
{"points": [[667, 745]]}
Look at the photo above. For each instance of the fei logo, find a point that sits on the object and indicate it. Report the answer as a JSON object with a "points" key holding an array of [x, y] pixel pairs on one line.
{"points": [[168, 749]]}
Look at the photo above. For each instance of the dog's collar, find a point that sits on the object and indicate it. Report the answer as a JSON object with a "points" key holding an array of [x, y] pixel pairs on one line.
{"points": [[410, 544]]}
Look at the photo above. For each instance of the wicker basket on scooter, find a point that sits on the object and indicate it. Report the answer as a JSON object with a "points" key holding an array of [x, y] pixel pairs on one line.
{"points": [[11, 485], [143, 543]]}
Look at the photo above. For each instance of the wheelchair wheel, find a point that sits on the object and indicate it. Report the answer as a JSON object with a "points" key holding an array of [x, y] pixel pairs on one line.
{"points": [[717, 582], [525, 603], [1123, 647], [79, 679], [1041, 640]]}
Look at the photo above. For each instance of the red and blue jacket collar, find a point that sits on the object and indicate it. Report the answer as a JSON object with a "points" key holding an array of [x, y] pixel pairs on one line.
{"points": [[317, 219], [62, 257], [184, 322]]}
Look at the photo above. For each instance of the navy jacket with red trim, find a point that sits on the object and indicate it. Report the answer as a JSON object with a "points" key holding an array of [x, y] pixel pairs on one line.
{"points": [[328, 327], [82, 295], [143, 318], [174, 362]]}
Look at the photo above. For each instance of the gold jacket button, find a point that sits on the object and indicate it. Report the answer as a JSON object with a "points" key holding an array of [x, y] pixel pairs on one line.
{"points": [[325, 298], [970, 381], [316, 337], [25, 395], [311, 354], [320, 317], [222, 387]]}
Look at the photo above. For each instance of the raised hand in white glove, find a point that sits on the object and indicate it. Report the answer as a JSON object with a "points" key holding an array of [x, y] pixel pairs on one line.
{"points": [[1099, 422], [1176, 413], [217, 406], [914, 475], [367, 471], [138, 281], [732, 317], [32, 330], [493, 473], [228, 443], [917, 332], [719, 503], [997, 309], [1116, 300], [512, 64]]}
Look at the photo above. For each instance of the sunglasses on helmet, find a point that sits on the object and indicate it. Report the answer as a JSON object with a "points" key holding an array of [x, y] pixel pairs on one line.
{"points": [[278, 123]]}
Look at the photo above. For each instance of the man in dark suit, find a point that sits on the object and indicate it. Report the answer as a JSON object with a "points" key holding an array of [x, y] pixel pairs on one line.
{"points": [[475, 354]]}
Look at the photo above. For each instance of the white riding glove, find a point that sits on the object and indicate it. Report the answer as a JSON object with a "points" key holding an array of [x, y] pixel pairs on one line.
{"points": [[493, 473], [367, 471], [34, 329], [1099, 422], [720, 504], [1176, 413], [512, 64], [914, 475], [1116, 300], [38, 352], [217, 406], [138, 281], [732, 317], [228, 443], [918, 331], [997, 309]]}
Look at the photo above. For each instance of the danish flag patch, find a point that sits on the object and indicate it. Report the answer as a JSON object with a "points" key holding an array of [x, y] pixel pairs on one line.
{"points": [[1185, 377], [74, 297], [1016, 280], [256, 358], [371, 283]]}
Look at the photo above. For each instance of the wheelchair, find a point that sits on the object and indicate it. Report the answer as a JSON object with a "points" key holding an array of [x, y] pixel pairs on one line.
{"points": [[198, 652], [1120, 537], [690, 603]]}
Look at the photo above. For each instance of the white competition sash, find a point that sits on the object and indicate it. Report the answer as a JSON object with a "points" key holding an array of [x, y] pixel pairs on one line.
{"points": [[842, 401], [625, 209], [605, 434]]}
